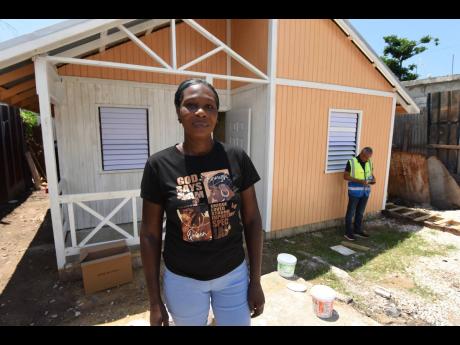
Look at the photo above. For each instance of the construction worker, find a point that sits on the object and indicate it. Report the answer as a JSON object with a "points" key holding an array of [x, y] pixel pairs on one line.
{"points": [[359, 174]]}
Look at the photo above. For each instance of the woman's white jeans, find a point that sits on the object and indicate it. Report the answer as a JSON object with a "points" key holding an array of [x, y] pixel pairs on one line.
{"points": [[188, 300]]}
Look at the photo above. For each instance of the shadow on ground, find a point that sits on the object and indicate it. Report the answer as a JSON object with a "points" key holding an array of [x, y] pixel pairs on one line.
{"points": [[34, 294], [6, 208]]}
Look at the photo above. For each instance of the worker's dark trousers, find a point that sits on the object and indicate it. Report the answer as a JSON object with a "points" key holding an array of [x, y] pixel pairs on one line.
{"points": [[356, 207]]}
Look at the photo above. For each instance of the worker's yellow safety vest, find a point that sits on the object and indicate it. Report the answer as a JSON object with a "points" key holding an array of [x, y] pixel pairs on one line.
{"points": [[355, 189]]}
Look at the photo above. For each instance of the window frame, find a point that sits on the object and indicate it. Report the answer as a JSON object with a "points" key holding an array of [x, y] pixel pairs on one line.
{"points": [[358, 133], [100, 154]]}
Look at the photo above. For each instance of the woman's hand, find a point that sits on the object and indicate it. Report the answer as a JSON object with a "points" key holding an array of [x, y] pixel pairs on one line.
{"points": [[158, 315], [256, 299]]}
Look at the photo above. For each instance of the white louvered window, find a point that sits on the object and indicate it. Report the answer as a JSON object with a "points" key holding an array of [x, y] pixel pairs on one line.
{"points": [[343, 137], [124, 138]]}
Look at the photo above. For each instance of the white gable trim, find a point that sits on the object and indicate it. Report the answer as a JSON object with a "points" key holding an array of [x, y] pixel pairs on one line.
{"points": [[405, 99]]}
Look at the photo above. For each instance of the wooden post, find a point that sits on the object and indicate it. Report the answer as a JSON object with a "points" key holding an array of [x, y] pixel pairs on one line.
{"points": [[41, 76], [271, 102], [390, 141], [173, 44]]}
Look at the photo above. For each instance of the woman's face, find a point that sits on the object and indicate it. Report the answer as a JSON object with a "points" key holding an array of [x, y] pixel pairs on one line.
{"points": [[198, 111]]}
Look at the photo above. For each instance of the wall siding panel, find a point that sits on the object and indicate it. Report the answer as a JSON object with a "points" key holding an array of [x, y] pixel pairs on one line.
{"points": [[317, 50], [302, 192]]}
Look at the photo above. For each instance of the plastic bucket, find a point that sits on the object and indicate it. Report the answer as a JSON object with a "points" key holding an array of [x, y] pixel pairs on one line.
{"points": [[286, 265], [323, 300]]}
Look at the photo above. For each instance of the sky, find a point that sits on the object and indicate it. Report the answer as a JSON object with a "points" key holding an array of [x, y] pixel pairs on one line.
{"points": [[434, 62]]}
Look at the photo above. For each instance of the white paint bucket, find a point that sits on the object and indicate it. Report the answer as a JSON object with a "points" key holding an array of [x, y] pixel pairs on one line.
{"points": [[323, 300], [286, 265]]}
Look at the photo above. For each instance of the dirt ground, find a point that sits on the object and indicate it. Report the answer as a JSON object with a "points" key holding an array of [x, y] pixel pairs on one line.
{"points": [[31, 293], [419, 266]]}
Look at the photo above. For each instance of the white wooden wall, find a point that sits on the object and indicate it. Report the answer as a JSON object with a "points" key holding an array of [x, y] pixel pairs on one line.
{"points": [[78, 136], [255, 97]]}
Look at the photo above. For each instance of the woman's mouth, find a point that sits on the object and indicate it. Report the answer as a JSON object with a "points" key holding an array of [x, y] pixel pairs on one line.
{"points": [[200, 124]]}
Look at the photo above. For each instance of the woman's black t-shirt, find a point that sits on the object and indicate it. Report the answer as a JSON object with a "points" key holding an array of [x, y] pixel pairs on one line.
{"points": [[201, 198]]}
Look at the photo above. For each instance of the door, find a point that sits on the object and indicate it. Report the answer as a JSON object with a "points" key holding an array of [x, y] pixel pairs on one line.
{"points": [[238, 128]]}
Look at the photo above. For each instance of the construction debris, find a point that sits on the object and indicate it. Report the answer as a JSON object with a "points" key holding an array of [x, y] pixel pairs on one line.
{"points": [[433, 220], [339, 272], [297, 287], [343, 298], [382, 292], [355, 246], [343, 250]]}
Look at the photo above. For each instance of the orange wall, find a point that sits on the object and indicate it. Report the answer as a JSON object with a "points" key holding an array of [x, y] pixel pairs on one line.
{"points": [[317, 50], [302, 192], [190, 45], [249, 39]]}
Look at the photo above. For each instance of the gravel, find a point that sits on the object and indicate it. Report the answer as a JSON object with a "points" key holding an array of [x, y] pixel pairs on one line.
{"points": [[435, 299]]}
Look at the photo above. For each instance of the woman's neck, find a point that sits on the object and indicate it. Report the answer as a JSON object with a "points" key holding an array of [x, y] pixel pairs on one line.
{"points": [[196, 147]]}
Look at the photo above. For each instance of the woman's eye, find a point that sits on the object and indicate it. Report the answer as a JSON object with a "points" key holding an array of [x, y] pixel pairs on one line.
{"points": [[191, 107]]}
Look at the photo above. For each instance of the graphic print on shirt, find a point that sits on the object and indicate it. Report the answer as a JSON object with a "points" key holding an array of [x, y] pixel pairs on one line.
{"points": [[208, 215], [219, 191], [196, 224]]}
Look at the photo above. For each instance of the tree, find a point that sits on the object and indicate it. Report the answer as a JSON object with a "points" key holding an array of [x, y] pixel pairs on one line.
{"points": [[30, 120], [399, 49]]}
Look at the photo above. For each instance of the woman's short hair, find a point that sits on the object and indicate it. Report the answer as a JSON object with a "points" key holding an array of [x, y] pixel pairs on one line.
{"points": [[179, 96]]}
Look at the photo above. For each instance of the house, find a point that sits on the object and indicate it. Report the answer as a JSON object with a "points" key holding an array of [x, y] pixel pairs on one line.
{"points": [[300, 96]]}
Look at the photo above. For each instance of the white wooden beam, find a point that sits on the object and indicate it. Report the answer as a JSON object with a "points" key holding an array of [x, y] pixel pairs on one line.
{"points": [[98, 216], [99, 196], [332, 87], [41, 76], [271, 101], [228, 36], [104, 221], [73, 233], [201, 58], [90, 46], [103, 41], [134, 206], [173, 44], [227, 49], [144, 47], [56, 88], [109, 64]]}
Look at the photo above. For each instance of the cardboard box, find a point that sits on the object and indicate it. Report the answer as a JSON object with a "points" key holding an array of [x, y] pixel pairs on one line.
{"points": [[105, 265]]}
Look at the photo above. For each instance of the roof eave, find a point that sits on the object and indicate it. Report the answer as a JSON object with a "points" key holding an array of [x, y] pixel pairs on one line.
{"points": [[13, 53], [406, 101]]}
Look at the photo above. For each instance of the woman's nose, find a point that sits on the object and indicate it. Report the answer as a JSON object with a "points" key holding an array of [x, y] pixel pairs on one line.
{"points": [[200, 112]]}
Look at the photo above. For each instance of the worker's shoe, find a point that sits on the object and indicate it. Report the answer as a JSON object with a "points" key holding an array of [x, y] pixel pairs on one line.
{"points": [[361, 234], [349, 237]]}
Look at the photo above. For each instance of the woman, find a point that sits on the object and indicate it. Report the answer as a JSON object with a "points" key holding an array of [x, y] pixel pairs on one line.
{"points": [[203, 186]]}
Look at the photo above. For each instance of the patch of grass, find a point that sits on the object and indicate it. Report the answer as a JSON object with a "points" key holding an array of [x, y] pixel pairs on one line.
{"points": [[450, 247], [398, 253], [424, 292], [330, 279]]}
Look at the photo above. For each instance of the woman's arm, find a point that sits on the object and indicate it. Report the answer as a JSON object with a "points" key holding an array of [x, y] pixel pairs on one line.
{"points": [[150, 243], [254, 241]]}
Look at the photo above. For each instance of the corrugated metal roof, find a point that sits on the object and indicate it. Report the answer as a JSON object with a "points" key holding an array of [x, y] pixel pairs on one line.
{"points": [[41, 33]]}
